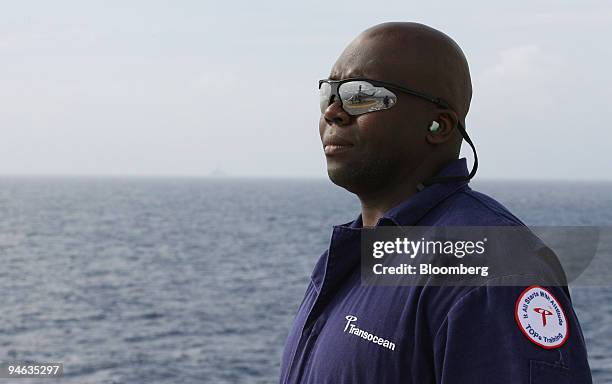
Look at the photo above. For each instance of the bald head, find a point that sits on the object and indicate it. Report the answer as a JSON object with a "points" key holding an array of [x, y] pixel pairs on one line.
{"points": [[414, 55]]}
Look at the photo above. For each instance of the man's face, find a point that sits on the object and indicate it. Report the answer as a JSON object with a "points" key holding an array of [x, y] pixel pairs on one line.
{"points": [[379, 147]]}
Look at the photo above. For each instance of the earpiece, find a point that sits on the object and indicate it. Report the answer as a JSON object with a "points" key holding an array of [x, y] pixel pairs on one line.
{"points": [[433, 128]]}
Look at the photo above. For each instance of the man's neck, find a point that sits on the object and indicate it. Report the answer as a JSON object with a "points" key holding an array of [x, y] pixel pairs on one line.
{"points": [[375, 204]]}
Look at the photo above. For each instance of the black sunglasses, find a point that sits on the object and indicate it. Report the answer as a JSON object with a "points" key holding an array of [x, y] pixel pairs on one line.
{"points": [[359, 95], [362, 95]]}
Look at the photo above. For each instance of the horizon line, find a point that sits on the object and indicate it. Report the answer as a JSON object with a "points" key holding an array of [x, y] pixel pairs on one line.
{"points": [[264, 177]]}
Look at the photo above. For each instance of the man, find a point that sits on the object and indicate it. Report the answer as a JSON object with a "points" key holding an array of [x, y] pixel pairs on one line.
{"points": [[393, 138]]}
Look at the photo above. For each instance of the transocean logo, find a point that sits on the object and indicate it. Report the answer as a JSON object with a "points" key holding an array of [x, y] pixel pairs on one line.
{"points": [[354, 330]]}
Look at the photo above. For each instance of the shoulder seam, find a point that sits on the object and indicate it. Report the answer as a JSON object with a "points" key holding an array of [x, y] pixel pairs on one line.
{"points": [[490, 208]]}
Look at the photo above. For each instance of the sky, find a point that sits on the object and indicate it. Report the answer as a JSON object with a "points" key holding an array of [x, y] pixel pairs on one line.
{"points": [[198, 88]]}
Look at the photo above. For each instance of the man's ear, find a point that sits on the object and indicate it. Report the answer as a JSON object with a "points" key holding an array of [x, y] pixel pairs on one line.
{"points": [[447, 120]]}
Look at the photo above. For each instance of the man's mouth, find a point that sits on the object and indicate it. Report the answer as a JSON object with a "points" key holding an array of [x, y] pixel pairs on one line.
{"points": [[332, 149], [334, 144]]}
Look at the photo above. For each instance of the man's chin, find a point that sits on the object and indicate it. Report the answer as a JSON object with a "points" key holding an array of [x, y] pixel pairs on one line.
{"points": [[348, 178]]}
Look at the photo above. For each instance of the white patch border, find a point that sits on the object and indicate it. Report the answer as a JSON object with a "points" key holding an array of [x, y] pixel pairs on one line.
{"points": [[524, 332]]}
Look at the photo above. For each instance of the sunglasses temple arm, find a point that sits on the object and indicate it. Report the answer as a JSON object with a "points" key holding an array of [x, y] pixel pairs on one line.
{"points": [[435, 100]]}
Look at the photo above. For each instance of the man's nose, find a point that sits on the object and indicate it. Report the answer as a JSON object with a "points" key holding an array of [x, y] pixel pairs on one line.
{"points": [[335, 114]]}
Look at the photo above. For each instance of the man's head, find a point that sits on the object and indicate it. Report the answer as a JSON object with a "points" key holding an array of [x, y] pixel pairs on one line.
{"points": [[389, 145]]}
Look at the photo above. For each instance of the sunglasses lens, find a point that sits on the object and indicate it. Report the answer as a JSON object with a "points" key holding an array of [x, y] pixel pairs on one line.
{"points": [[362, 97], [324, 94]]}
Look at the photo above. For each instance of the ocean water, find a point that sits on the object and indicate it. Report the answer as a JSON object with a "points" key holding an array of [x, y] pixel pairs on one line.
{"points": [[198, 280]]}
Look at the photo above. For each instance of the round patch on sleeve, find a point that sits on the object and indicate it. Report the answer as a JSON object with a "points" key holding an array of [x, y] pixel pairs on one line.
{"points": [[540, 317]]}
